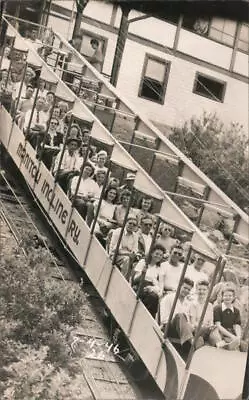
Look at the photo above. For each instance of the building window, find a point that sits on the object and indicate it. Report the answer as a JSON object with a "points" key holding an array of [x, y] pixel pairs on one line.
{"points": [[197, 25], [154, 79], [93, 47], [223, 30], [219, 29], [243, 42], [209, 87]]}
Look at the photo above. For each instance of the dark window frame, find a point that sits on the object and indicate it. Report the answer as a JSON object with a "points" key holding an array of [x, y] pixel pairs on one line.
{"points": [[195, 91], [209, 37], [167, 64], [239, 40]]}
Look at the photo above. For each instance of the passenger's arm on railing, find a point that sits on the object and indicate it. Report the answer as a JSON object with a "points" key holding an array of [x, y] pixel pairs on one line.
{"points": [[114, 241], [224, 331], [237, 330], [165, 308], [138, 271], [56, 162]]}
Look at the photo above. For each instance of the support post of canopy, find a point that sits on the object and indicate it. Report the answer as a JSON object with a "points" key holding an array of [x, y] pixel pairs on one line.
{"points": [[121, 40], [180, 170], [205, 197], [237, 219]]}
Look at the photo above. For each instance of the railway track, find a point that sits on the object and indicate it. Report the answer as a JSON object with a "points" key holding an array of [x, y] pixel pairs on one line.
{"points": [[104, 373]]}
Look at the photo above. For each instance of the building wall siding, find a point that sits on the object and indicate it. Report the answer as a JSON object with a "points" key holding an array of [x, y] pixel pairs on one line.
{"points": [[241, 65], [204, 49], [180, 102]]}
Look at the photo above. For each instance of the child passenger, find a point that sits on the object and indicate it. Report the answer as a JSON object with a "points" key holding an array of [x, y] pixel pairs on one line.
{"points": [[227, 319]]}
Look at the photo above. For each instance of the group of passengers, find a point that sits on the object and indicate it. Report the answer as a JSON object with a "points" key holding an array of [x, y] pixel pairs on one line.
{"points": [[81, 169]]}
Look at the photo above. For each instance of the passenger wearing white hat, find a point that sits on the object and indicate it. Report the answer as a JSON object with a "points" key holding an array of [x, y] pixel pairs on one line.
{"points": [[129, 181], [101, 159], [128, 185]]}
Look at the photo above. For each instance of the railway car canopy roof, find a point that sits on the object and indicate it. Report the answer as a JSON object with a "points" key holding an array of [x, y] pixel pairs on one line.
{"points": [[164, 8]]}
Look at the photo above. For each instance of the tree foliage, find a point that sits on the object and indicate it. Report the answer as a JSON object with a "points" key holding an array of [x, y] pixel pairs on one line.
{"points": [[37, 314], [220, 151]]}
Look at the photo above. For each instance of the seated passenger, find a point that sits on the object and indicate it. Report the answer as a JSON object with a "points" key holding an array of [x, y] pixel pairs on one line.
{"points": [[153, 284], [53, 142], [194, 271], [97, 57], [86, 133], [121, 209], [18, 64], [227, 319], [50, 96], [113, 181], [101, 160], [56, 112], [29, 75], [26, 102], [105, 220], [127, 252], [70, 164], [83, 152], [228, 279], [208, 331], [144, 209], [166, 239], [35, 129], [128, 182], [7, 90], [87, 191], [99, 178], [179, 327], [6, 59], [145, 236], [42, 90], [173, 269], [33, 38], [63, 107]]}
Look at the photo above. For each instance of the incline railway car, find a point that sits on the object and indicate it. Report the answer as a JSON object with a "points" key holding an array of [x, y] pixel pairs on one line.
{"points": [[59, 149]]}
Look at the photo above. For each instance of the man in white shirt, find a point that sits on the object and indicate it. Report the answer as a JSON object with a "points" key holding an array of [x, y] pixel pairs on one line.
{"points": [[70, 164], [128, 248], [207, 332], [174, 269], [179, 327], [145, 237], [34, 41], [35, 129], [87, 191], [194, 271]]}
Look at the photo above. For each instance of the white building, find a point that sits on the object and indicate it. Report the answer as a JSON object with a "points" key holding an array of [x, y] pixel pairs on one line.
{"points": [[171, 70]]}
